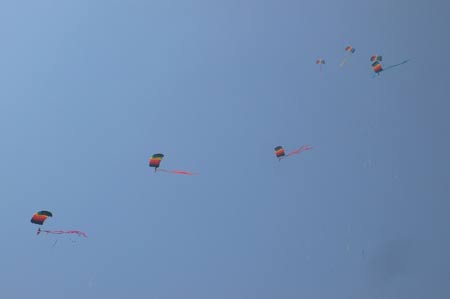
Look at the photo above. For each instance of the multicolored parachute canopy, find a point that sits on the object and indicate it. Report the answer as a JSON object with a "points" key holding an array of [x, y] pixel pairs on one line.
{"points": [[40, 217], [155, 160], [376, 58], [377, 67], [320, 62], [279, 152], [350, 49]]}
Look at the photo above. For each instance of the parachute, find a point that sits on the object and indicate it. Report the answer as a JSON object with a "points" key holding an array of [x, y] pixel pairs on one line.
{"points": [[280, 153], [320, 61], [378, 68], [376, 58], [350, 50], [155, 160], [40, 217]]}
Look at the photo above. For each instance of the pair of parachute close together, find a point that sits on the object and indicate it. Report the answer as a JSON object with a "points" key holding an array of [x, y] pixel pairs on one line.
{"points": [[377, 67], [155, 160]]}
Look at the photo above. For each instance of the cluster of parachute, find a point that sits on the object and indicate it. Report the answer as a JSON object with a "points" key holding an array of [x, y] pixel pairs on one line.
{"points": [[376, 65], [375, 59], [40, 217], [155, 159]]}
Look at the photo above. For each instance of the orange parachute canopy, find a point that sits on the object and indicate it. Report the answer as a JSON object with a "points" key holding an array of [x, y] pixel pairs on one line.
{"points": [[40, 217], [155, 160]]}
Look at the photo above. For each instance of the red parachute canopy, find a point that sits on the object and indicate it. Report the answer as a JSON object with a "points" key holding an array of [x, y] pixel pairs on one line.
{"points": [[40, 217], [155, 160], [279, 152]]}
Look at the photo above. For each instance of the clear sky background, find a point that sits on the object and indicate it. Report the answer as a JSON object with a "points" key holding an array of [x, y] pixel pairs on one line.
{"points": [[91, 89]]}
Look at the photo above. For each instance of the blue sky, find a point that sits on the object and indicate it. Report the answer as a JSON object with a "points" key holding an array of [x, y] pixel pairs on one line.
{"points": [[91, 89]]}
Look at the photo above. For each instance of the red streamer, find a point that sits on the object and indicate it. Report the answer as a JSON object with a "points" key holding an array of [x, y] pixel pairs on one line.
{"points": [[60, 232]]}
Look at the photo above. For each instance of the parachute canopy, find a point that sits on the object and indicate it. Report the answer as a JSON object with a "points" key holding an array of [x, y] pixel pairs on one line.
{"points": [[155, 160], [279, 151], [320, 61], [376, 58], [377, 67], [40, 217], [350, 49]]}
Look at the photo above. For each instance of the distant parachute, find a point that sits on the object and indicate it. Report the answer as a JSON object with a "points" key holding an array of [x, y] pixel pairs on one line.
{"points": [[280, 153], [320, 61], [378, 68], [40, 217], [155, 162], [376, 58], [350, 50]]}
